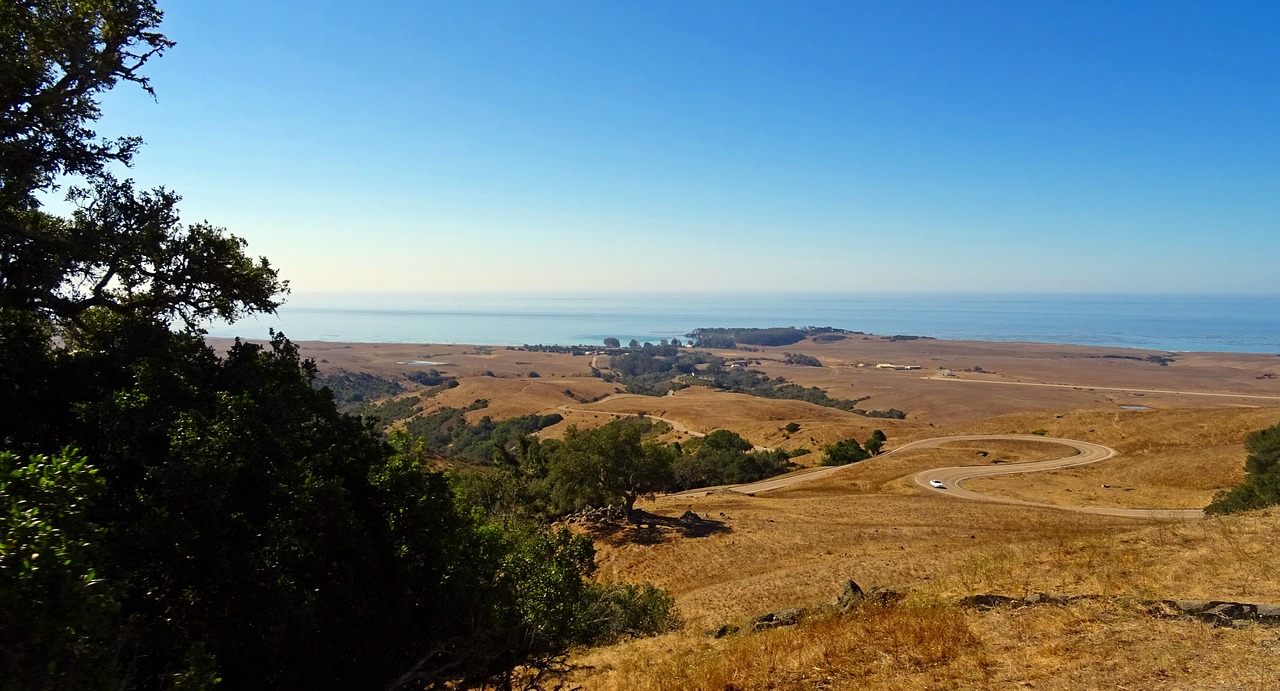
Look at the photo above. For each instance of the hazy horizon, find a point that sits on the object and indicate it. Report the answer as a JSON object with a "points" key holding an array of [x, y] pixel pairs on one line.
{"points": [[1242, 323]]}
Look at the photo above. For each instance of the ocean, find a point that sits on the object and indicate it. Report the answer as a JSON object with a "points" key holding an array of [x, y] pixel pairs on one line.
{"points": [[1213, 323]]}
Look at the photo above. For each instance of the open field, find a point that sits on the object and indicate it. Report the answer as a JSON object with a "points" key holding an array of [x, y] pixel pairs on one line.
{"points": [[759, 420], [1014, 378], [923, 646], [794, 548], [868, 522]]}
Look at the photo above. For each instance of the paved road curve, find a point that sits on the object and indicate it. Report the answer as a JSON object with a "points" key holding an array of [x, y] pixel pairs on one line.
{"points": [[953, 477], [1088, 452]]}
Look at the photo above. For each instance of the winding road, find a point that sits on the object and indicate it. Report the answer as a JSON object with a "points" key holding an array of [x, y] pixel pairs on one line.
{"points": [[954, 476], [1088, 452]]}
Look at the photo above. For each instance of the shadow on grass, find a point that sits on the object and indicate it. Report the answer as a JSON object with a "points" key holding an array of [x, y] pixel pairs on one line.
{"points": [[651, 529]]}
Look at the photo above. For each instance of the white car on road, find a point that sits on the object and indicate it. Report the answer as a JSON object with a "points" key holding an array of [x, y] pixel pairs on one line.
{"points": [[937, 484]]}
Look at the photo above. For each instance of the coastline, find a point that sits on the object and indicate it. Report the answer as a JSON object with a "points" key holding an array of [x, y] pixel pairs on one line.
{"points": [[954, 380], [1203, 323]]}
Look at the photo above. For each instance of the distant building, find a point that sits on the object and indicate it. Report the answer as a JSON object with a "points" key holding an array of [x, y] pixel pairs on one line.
{"points": [[889, 365]]}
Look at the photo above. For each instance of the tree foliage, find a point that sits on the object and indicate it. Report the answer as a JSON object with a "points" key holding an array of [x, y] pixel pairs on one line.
{"points": [[611, 464], [844, 452], [255, 533], [55, 610], [875, 443], [729, 338], [59, 58], [725, 458], [219, 520], [122, 249], [1261, 485]]}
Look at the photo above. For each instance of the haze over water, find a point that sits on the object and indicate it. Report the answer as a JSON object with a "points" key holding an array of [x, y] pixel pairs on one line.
{"points": [[1227, 323]]}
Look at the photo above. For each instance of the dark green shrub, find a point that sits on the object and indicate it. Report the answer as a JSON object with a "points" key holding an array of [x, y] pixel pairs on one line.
{"points": [[1261, 487], [616, 610], [844, 452]]}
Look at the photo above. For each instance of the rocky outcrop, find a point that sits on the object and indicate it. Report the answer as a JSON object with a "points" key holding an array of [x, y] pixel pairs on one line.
{"points": [[597, 515], [852, 596], [772, 620], [1216, 612]]}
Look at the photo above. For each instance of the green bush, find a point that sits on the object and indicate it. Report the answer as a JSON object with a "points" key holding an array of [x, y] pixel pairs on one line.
{"points": [[844, 452], [56, 611], [618, 610], [1261, 486]]}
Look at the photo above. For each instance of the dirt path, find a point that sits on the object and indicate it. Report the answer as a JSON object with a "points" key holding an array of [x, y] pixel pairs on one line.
{"points": [[675, 424]]}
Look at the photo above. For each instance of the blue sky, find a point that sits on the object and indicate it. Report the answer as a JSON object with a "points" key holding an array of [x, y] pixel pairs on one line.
{"points": [[415, 146]]}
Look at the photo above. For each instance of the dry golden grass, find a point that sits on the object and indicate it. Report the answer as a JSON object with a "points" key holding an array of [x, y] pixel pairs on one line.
{"points": [[1132, 431], [515, 397], [1169, 458], [827, 652], [928, 643], [931, 646], [1016, 369], [795, 547], [1216, 558], [759, 420]]}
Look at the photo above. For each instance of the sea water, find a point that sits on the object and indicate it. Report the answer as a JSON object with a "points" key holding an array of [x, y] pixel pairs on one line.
{"points": [[1227, 323]]}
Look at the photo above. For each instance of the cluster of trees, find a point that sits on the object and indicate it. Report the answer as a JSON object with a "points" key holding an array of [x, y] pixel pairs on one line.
{"points": [[801, 359], [354, 390], [730, 338], [649, 370], [650, 358], [726, 338], [725, 458], [759, 384], [849, 450], [561, 349], [447, 432], [1261, 486], [614, 464], [637, 345], [172, 517], [652, 371]]}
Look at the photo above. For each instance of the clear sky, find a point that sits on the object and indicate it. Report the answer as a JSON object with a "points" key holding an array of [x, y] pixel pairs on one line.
{"points": [[417, 145]]}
